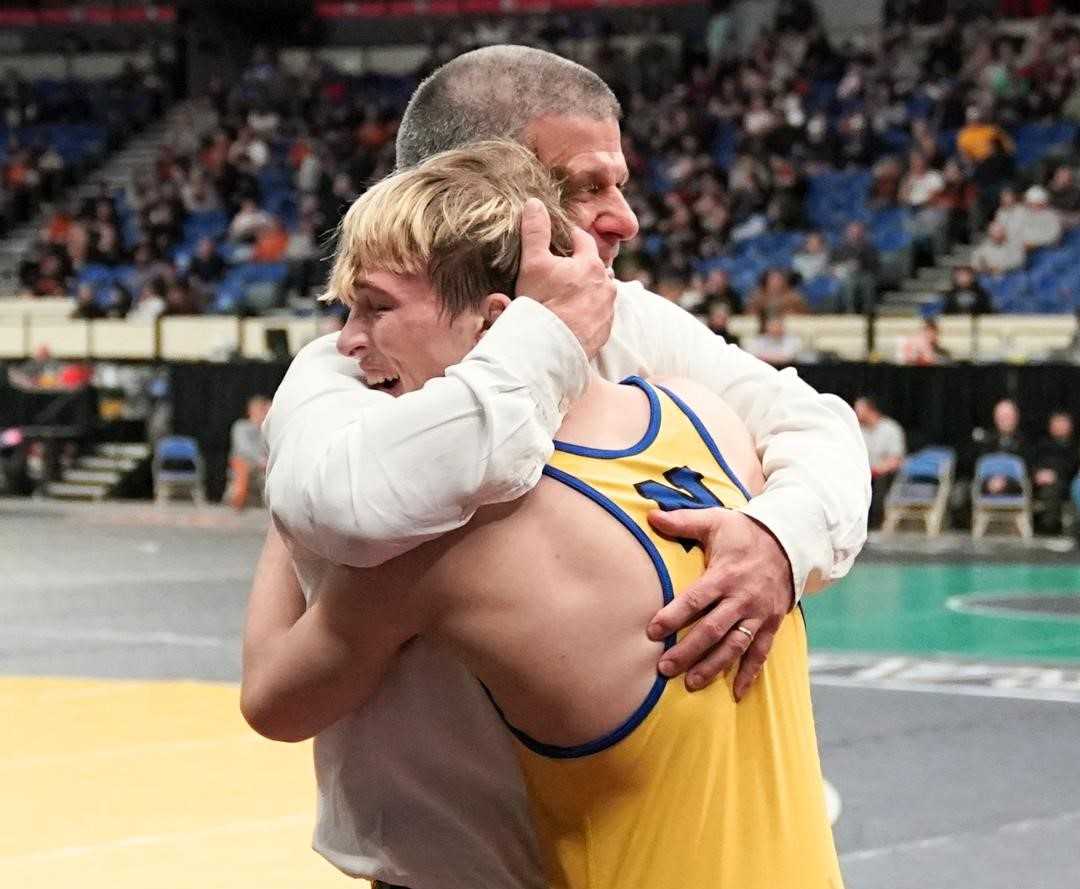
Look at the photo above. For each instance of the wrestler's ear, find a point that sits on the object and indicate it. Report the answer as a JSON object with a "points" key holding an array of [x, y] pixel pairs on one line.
{"points": [[493, 306]]}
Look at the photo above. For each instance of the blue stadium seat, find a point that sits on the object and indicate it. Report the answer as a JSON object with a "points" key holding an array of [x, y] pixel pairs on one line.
{"points": [[178, 465], [921, 490], [1010, 506]]}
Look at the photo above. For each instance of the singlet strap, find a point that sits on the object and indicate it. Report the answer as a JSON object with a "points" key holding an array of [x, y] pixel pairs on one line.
{"points": [[667, 594]]}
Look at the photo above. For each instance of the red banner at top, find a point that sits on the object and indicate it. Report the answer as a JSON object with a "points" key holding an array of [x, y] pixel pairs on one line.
{"points": [[413, 8], [90, 15]]}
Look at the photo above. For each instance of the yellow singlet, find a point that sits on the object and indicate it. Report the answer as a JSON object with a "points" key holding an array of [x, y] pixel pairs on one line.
{"points": [[692, 791]]}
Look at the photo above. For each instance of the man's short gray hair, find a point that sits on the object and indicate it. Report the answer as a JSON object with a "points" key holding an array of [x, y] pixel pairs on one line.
{"points": [[495, 93]]}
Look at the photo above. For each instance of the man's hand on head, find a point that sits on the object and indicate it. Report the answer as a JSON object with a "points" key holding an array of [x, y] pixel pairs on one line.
{"points": [[578, 288], [747, 583]]}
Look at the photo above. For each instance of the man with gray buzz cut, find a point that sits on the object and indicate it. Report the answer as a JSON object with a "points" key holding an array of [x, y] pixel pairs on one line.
{"points": [[421, 787], [495, 93]]}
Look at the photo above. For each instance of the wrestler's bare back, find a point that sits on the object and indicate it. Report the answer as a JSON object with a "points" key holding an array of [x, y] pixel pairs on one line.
{"points": [[545, 599]]}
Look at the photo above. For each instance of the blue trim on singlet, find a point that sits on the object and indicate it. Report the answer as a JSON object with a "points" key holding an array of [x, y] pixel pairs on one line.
{"points": [[706, 437], [638, 716], [646, 440]]}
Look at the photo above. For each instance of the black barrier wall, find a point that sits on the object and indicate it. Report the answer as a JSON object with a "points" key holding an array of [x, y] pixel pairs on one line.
{"points": [[936, 405]]}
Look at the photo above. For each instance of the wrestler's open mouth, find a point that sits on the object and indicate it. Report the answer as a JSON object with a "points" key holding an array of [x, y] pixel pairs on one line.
{"points": [[382, 383]]}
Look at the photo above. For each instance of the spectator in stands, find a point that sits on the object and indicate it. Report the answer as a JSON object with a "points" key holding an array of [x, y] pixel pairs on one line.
{"points": [[812, 260], [270, 243], [1054, 463], [919, 190], [181, 299], [980, 138], [86, 306], [248, 223], [1005, 438], [887, 174], [716, 288], [773, 342], [998, 254], [923, 347], [957, 199], [1065, 195], [857, 263], [105, 247], [150, 302], [717, 319], [775, 295], [886, 446], [1040, 224], [966, 296], [207, 267], [49, 278], [247, 456], [302, 256], [1010, 214]]}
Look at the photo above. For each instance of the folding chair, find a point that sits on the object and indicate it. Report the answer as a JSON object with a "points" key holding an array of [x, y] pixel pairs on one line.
{"points": [[921, 490], [1012, 507], [178, 465]]}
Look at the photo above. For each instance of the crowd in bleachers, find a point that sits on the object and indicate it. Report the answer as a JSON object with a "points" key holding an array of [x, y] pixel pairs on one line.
{"points": [[53, 131], [799, 175]]}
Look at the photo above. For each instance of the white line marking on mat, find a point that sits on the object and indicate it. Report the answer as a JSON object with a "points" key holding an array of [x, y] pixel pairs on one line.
{"points": [[123, 637], [972, 691], [1025, 825], [258, 825]]}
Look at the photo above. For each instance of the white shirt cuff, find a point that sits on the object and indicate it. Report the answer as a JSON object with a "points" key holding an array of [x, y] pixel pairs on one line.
{"points": [[539, 349]]}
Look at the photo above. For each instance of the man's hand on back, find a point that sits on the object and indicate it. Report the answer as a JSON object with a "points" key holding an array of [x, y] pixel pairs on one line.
{"points": [[747, 584], [577, 288]]}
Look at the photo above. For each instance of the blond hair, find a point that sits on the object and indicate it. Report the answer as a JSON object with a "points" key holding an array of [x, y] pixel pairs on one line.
{"points": [[455, 218]]}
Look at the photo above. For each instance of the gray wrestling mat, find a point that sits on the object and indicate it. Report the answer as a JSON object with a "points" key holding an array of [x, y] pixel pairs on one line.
{"points": [[941, 786]]}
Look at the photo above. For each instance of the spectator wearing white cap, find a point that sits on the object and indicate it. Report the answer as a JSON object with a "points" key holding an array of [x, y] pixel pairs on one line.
{"points": [[1040, 224]]}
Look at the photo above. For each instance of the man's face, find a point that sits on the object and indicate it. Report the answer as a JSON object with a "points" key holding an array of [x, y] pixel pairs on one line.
{"points": [[400, 334], [588, 153], [1006, 417], [1061, 427], [864, 413]]}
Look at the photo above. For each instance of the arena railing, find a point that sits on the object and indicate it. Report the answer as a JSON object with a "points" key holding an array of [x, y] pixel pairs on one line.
{"points": [[28, 326]]}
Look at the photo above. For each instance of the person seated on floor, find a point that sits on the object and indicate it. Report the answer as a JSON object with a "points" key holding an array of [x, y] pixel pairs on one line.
{"points": [[247, 457], [886, 446], [1054, 463], [1005, 438]]}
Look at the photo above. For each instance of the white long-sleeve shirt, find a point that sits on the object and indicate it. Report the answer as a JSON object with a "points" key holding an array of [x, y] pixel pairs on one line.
{"points": [[359, 477], [420, 787]]}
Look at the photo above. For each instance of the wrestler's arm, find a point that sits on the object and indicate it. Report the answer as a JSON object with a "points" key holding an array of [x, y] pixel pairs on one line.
{"points": [[358, 477], [310, 670]]}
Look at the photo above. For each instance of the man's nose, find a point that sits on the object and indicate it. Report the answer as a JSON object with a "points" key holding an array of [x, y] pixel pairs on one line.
{"points": [[617, 219]]}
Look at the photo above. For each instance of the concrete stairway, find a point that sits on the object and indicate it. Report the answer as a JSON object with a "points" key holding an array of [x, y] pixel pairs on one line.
{"points": [[927, 285], [99, 475]]}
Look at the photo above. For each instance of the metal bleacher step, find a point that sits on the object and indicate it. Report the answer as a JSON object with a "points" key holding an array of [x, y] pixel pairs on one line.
{"points": [[75, 491], [104, 477], [118, 450], [114, 464]]}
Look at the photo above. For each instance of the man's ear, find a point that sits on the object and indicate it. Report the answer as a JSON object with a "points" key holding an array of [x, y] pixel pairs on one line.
{"points": [[494, 305]]}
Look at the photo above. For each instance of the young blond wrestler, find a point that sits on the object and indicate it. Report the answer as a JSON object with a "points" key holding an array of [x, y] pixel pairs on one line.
{"points": [[631, 781]]}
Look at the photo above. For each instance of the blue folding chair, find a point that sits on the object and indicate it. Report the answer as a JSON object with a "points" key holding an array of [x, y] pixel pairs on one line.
{"points": [[1007, 505], [921, 490], [178, 466]]}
